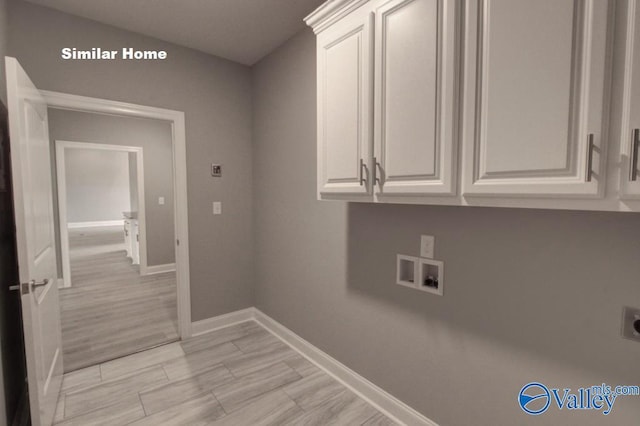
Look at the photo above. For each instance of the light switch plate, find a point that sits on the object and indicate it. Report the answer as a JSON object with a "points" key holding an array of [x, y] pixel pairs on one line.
{"points": [[161, 201], [427, 246], [217, 207]]}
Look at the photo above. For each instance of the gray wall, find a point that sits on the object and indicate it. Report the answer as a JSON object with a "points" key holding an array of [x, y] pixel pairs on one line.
{"points": [[529, 294], [215, 95], [97, 185], [154, 137], [133, 182]]}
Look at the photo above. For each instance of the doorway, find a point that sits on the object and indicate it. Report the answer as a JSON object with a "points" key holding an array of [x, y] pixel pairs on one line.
{"points": [[123, 281]]}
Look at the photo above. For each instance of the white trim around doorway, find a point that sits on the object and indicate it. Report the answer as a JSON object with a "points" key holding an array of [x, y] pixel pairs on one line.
{"points": [[177, 119], [74, 225]]}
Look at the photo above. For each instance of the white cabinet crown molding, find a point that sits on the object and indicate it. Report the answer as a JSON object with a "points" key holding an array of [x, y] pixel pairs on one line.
{"points": [[331, 12]]}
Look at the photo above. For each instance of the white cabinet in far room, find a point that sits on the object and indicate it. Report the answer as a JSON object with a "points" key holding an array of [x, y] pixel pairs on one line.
{"points": [[344, 56], [415, 88], [132, 239], [127, 238], [534, 99]]}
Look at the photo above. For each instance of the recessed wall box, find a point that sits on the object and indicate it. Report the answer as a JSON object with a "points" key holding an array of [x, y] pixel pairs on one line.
{"points": [[431, 276], [406, 270]]}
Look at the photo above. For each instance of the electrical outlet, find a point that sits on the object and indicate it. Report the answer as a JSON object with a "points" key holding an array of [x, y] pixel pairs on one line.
{"points": [[631, 323], [217, 207], [161, 201], [427, 246]]}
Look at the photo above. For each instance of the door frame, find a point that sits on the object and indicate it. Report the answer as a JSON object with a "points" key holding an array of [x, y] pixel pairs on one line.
{"points": [[66, 101], [63, 223]]}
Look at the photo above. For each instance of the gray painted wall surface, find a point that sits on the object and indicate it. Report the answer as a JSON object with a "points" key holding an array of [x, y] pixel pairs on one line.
{"points": [[154, 137], [529, 294], [215, 95], [133, 182], [97, 185]]}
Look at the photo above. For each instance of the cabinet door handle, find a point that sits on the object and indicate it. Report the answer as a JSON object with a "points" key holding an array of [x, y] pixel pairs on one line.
{"points": [[361, 177], [375, 170], [376, 179], [633, 166], [590, 147]]}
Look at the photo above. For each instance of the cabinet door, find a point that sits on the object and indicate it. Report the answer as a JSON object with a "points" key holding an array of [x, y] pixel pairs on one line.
{"points": [[630, 143], [415, 75], [534, 97], [345, 107]]}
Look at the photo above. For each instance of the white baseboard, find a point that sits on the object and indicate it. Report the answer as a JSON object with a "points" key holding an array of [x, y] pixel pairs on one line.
{"points": [[72, 225], [211, 324], [158, 269], [386, 403]]}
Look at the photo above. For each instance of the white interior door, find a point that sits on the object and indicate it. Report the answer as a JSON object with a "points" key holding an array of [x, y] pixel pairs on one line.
{"points": [[31, 171]]}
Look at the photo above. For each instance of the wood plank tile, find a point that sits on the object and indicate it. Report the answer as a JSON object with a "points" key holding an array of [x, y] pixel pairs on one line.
{"points": [[257, 341], [113, 391], [379, 420], [123, 366], [120, 413], [59, 414], [239, 392], [257, 360], [272, 408], [314, 390], [303, 366], [213, 382], [343, 409], [224, 335], [197, 362], [111, 311], [179, 391], [203, 410], [81, 379]]}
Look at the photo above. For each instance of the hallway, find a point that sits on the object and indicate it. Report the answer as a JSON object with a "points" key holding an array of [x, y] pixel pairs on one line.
{"points": [[111, 311]]}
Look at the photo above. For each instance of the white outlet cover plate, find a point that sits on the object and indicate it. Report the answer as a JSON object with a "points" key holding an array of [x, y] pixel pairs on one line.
{"points": [[427, 246]]}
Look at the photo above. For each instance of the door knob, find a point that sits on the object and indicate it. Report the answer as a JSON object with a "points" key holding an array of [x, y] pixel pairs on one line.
{"points": [[28, 287]]}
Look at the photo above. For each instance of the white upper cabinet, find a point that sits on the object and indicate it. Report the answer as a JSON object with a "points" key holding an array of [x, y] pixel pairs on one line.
{"points": [[415, 105], [503, 103], [345, 107], [630, 133], [534, 107]]}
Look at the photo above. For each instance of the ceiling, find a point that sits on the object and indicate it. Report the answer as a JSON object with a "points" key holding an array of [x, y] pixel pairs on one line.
{"points": [[240, 30]]}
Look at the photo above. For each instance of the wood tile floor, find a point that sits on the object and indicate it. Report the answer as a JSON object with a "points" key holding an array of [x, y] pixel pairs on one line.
{"points": [[240, 375], [110, 310]]}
